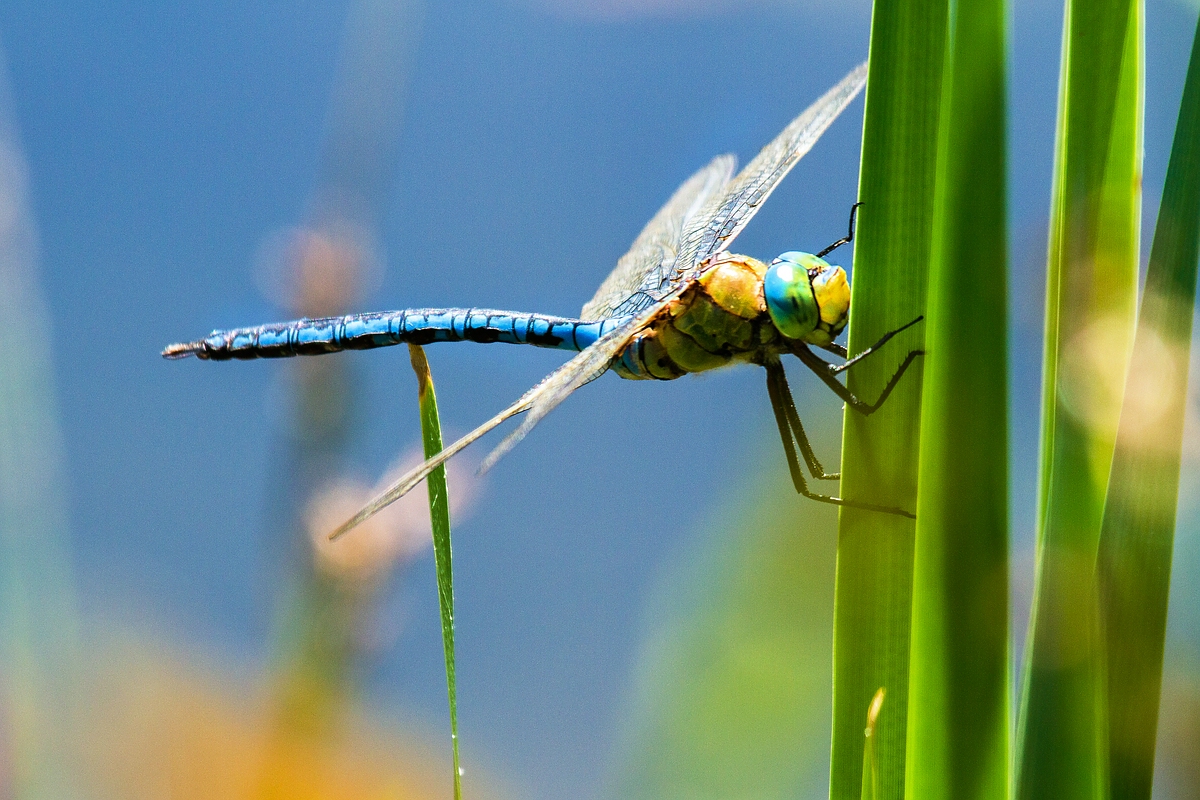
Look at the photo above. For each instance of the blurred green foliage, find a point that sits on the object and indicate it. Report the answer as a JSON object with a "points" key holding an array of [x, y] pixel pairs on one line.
{"points": [[1138, 531], [732, 694], [1090, 298]]}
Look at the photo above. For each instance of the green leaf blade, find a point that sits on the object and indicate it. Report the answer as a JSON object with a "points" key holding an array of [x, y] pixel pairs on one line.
{"points": [[879, 454], [958, 715], [1091, 294], [1137, 534], [439, 517]]}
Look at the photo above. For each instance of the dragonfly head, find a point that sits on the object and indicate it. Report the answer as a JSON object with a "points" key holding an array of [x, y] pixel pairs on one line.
{"points": [[807, 297]]}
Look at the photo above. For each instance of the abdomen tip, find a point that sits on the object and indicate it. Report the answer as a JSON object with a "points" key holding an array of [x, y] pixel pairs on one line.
{"points": [[182, 350]]}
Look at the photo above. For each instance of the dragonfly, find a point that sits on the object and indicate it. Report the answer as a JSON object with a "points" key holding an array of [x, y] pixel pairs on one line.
{"points": [[678, 302]]}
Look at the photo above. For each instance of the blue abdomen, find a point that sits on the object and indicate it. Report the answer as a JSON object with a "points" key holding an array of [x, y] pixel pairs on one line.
{"points": [[381, 329]]}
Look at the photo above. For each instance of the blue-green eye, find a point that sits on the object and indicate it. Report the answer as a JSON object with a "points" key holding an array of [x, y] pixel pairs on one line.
{"points": [[789, 293]]}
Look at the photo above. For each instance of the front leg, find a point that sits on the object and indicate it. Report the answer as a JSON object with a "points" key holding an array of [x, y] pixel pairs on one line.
{"points": [[828, 374], [841, 352]]}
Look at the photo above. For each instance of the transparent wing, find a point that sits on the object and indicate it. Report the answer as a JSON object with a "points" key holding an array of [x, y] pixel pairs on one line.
{"points": [[537, 402], [714, 228], [647, 279], [583, 368], [654, 250]]}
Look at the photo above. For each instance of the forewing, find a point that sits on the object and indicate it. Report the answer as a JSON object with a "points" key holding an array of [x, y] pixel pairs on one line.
{"points": [[653, 252], [714, 228], [411, 479], [538, 402], [583, 368], [696, 222]]}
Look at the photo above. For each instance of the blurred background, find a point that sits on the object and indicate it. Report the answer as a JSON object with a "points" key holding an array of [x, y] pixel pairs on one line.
{"points": [[646, 617]]}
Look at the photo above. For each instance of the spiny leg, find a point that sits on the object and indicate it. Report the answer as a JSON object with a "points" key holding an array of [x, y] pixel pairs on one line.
{"points": [[828, 374], [781, 397], [841, 352], [849, 237], [786, 431], [873, 348]]}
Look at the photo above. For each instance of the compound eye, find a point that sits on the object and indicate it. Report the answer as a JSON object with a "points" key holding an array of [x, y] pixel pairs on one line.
{"points": [[832, 292], [788, 291]]}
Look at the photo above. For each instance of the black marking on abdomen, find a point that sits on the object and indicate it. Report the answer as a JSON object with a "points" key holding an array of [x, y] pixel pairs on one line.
{"points": [[483, 335], [420, 337], [546, 339]]}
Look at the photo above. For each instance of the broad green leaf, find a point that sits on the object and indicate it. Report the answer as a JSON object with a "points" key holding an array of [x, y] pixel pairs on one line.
{"points": [[439, 517], [1090, 296], [1138, 531], [879, 453], [958, 713]]}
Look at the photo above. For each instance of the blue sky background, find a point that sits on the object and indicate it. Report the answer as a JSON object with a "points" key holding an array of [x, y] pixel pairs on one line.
{"points": [[167, 142]]}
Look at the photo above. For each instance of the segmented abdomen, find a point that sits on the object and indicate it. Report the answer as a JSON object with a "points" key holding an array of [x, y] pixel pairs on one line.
{"points": [[381, 329]]}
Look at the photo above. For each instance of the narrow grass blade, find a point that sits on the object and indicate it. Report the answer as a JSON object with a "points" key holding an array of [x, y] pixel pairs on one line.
{"points": [[1090, 297], [958, 703], [1138, 531], [879, 454], [439, 516]]}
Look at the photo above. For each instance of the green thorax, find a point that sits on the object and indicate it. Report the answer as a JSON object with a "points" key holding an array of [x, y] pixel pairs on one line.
{"points": [[721, 318]]}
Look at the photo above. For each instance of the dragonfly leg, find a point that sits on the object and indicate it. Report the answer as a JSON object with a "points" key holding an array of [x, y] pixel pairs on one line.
{"points": [[791, 435], [781, 401], [828, 374], [849, 237], [873, 348]]}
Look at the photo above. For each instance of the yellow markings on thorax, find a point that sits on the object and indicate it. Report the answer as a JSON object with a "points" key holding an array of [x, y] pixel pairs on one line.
{"points": [[737, 286], [719, 320]]}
